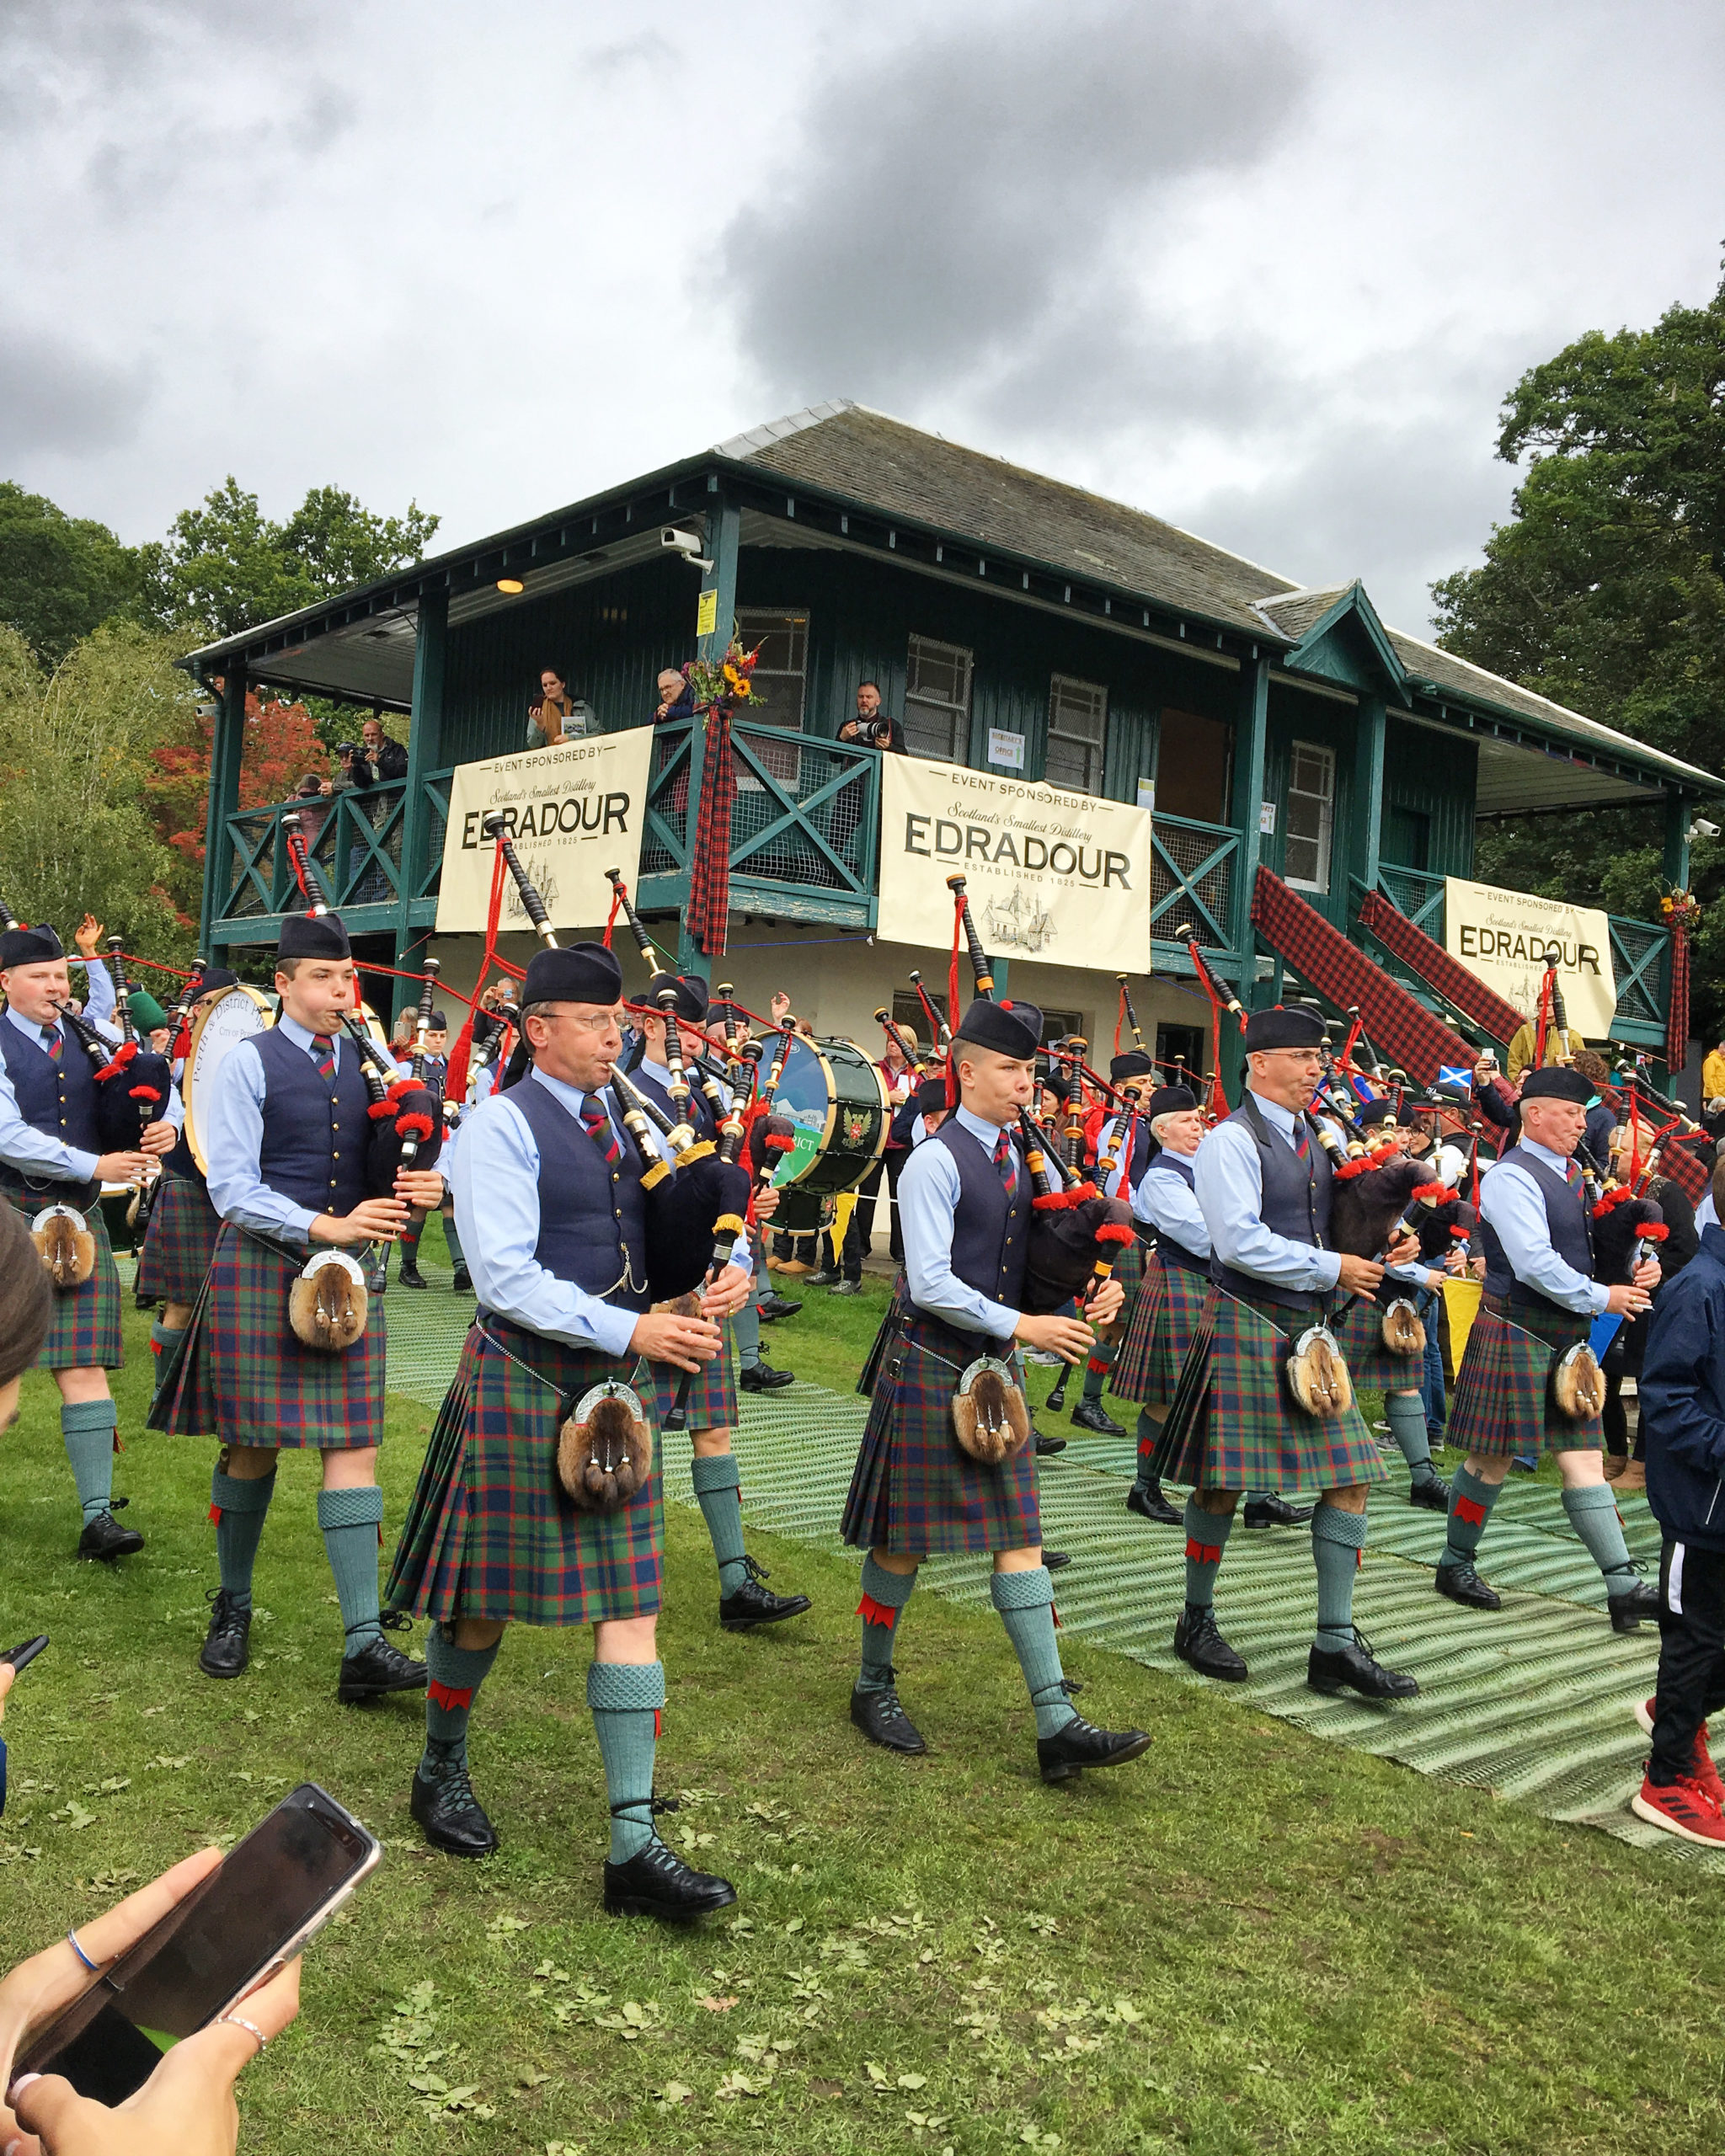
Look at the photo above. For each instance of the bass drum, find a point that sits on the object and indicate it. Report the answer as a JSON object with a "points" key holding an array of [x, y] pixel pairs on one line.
{"points": [[235, 1015], [836, 1101]]}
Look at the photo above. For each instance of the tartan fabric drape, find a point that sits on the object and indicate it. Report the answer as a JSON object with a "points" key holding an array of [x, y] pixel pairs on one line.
{"points": [[1397, 1026], [710, 870], [1433, 964], [1677, 1019]]}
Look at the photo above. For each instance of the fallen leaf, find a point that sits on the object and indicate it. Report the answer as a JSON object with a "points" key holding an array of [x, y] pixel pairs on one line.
{"points": [[718, 2005]]}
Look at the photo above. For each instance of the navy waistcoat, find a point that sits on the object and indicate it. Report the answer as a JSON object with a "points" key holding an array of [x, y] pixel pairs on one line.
{"points": [[1173, 1251], [700, 1119], [592, 1217], [1566, 1222], [1295, 1205], [315, 1130], [989, 1233], [59, 1098]]}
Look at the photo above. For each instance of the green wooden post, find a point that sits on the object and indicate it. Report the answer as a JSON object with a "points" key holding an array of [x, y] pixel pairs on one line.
{"points": [[1367, 835], [225, 752], [717, 605], [1251, 747], [425, 754]]}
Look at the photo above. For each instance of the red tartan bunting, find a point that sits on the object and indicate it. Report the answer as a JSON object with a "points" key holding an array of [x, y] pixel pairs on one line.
{"points": [[1677, 1019], [1433, 964], [710, 870]]}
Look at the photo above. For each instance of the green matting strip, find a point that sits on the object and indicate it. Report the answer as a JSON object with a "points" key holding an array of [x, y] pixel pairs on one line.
{"points": [[1535, 1701]]}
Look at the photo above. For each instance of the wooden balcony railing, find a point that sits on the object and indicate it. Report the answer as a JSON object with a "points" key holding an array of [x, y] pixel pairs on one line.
{"points": [[355, 838]]}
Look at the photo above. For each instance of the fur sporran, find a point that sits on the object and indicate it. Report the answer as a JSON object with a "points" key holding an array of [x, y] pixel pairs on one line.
{"points": [[605, 1448], [989, 1417], [65, 1244], [328, 1304], [1578, 1384], [1317, 1377], [1404, 1333]]}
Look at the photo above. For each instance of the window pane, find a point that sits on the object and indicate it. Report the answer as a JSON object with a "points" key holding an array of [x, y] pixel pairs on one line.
{"points": [[780, 672], [937, 700], [1306, 817]]}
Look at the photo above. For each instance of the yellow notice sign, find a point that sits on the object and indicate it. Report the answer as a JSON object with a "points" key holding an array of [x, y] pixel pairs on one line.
{"points": [[1461, 1299], [707, 612], [1504, 936]]}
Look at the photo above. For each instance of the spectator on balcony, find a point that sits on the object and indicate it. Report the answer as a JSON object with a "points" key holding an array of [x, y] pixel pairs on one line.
{"points": [[554, 715], [377, 761], [676, 699], [873, 728]]}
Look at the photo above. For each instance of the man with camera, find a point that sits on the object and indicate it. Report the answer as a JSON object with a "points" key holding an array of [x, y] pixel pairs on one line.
{"points": [[873, 728], [376, 761]]}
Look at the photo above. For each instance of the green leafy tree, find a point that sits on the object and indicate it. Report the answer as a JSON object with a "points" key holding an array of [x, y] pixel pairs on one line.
{"points": [[60, 575], [1606, 591]]}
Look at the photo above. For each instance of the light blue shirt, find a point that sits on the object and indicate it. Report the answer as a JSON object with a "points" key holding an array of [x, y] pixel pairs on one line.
{"points": [[1706, 1214], [233, 1132], [37, 1154], [1231, 1196], [1105, 1138], [496, 1184], [1513, 1204], [928, 1198], [1162, 1200], [101, 999]]}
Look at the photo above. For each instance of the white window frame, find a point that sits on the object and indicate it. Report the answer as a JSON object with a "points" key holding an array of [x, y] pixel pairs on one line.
{"points": [[1094, 695], [1326, 801], [928, 712], [754, 622]]}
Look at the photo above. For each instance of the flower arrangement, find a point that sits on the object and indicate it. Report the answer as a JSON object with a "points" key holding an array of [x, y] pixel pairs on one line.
{"points": [[724, 683], [1679, 909]]}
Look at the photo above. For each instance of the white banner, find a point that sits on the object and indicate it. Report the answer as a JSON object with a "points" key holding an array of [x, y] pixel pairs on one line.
{"points": [[1062, 878], [1504, 936], [573, 811]]}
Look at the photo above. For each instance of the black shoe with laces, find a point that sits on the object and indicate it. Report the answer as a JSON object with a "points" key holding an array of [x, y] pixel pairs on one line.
{"points": [[763, 1378], [1147, 1501], [1431, 1493], [1463, 1584], [883, 1719], [1627, 1610], [411, 1277], [826, 1277], [1047, 1447], [443, 1803], [777, 1306], [1055, 1560], [104, 1538], [1091, 1415], [1273, 1511], [462, 1283], [1357, 1668], [1064, 1756], [1198, 1642], [846, 1288], [377, 1668], [753, 1604], [226, 1648], [656, 1882]]}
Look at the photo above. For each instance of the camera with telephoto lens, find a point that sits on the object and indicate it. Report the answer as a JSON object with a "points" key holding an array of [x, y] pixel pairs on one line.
{"points": [[877, 732], [347, 748]]}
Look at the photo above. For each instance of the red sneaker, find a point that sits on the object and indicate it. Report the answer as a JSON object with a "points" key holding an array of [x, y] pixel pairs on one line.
{"points": [[1684, 1808], [1700, 1760]]}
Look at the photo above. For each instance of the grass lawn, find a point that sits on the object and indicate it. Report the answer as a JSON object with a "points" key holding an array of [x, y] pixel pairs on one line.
{"points": [[1250, 1940]]}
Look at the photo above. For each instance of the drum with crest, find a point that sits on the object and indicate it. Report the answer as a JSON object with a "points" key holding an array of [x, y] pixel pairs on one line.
{"points": [[233, 1016], [837, 1102]]}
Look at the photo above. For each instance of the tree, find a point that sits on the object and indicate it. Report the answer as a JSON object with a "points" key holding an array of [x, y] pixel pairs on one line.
{"points": [[1606, 592], [225, 567], [59, 576]]}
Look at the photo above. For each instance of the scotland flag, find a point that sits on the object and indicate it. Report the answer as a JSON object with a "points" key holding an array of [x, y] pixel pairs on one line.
{"points": [[1456, 1075]]}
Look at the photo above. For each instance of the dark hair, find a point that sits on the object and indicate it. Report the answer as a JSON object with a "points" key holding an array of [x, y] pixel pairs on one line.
{"points": [[550, 668], [868, 682], [26, 1300]]}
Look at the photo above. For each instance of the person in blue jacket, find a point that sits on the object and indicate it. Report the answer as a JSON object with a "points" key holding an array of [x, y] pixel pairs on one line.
{"points": [[1682, 1392]]}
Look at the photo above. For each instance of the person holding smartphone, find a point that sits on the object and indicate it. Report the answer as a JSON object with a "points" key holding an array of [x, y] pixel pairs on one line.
{"points": [[549, 1201], [285, 1141]]}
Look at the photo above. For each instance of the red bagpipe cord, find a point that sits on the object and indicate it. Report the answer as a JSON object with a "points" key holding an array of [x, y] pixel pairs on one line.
{"points": [[456, 1078], [1539, 1042], [1218, 1095], [1677, 1021], [710, 873]]}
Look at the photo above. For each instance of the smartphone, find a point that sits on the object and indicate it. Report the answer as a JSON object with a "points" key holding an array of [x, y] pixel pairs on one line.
{"points": [[271, 1894], [21, 1656]]}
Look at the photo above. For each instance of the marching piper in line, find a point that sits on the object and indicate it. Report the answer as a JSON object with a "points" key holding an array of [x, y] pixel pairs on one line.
{"points": [[285, 1139], [1263, 1183], [1131, 1074], [553, 1218], [1540, 1301], [745, 1603], [51, 1156], [1175, 1282], [919, 1485]]}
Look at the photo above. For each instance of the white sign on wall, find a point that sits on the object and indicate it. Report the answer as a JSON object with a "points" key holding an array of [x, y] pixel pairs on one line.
{"points": [[1006, 748], [1502, 936]]}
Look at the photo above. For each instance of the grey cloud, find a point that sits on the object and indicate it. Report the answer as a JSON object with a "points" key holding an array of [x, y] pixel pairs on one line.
{"points": [[969, 191], [648, 50], [55, 397]]}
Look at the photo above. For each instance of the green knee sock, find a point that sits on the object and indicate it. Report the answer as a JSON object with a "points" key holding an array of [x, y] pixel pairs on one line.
{"points": [[350, 1520], [1147, 1433], [1404, 1413], [407, 1243], [718, 1487], [1470, 1502], [1096, 1371], [1206, 1537], [86, 1428], [1026, 1602], [745, 1329], [1593, 1513], [625, 1697], [453, 1242], [1336, 1539], [163, 1341], [453, 1675], [239, 1507], [884, 1595]]}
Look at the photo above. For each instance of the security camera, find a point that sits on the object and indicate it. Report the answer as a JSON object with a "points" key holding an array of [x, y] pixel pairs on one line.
{"points": [[1701, 829], [688, 544]]}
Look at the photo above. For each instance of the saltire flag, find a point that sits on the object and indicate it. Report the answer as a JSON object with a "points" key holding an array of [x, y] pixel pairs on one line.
{"points": [[1459, 1074]]}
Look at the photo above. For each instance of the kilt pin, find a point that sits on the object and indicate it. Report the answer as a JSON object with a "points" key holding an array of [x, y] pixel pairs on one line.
{"points": [[84, 1331], [180, 1242]]}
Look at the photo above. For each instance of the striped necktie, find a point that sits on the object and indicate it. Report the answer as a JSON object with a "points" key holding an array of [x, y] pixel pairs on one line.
{"points": [[323, 1053], [1006, 1165], [53, 1042], [600, 1128], [1302, 1144], [1572, 1175]]}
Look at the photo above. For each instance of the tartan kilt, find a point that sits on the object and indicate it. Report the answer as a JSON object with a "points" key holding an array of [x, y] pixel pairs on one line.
{"points": [[712, 1403], [883, 1340], [1503, 1400], [1370, 1364], [916, 1489], [1129, 1271], [181, 1240], [1170, 1304], [1233, 1423], [491, 1532], [83, 1333], [239, 1373]]}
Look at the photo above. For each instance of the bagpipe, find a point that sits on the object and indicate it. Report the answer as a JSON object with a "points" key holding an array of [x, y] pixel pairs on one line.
{"points": [[1220, 1000]]}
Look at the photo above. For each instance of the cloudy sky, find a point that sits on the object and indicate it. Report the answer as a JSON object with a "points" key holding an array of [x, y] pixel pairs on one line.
{"points": [[1264, 267]]}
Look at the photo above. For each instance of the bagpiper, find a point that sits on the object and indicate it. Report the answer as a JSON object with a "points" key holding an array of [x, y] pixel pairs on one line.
{"points": [[1540, 1301], [1131, 1075], [1262, 1182], [285, 1139], [946, 1461], [1176, 1283], [552, 1213], [52, 1168]]}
